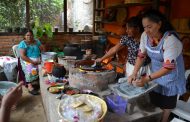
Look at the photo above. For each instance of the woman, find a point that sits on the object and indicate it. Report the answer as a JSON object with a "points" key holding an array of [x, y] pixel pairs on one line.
{"points": [[164, 48], [131, 40], [30, 58]]}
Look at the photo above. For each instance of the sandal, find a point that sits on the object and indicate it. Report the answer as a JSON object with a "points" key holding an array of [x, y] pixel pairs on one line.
{"points": [[34, 92]]}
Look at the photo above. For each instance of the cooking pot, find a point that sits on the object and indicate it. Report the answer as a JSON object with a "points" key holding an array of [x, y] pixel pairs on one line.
{"points": [[73, 50], [58, 71]]}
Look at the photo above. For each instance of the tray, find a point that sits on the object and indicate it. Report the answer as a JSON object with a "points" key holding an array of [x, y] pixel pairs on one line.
{"points": [[131, 92]]}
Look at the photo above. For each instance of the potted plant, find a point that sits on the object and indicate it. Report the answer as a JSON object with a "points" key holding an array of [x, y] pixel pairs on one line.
{"points": [[42, 32]]}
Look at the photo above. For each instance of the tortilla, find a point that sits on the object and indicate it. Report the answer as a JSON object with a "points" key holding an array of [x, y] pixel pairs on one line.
{"points": [[77, 104]]}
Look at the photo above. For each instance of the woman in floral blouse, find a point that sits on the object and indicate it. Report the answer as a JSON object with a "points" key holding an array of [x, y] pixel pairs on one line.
{"points": [[134, 30]]}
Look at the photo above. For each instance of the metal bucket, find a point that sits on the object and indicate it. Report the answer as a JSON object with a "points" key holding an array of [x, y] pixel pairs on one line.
{"points": [[48, 56]]}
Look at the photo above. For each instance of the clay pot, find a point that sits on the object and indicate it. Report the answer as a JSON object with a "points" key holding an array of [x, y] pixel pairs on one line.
{"points": [[73, 50], [59, 71]]}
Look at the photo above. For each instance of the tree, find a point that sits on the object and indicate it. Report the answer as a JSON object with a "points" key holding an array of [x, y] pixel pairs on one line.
{"points": [[13, 13]]}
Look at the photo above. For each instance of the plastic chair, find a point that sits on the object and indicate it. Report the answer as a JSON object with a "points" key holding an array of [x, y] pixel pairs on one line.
{"points": [[15, 51], [182, 109], [20, 73]]}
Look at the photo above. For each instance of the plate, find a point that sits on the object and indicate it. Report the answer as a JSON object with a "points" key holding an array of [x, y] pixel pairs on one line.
{"points": [[131, 92]]}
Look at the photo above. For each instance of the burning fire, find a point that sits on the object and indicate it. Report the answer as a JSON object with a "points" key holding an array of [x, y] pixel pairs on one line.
{"points": [[109, 66]]}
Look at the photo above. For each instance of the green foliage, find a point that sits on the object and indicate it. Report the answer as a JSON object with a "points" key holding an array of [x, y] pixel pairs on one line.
{"points": [[46, 10], [40, 30], [48, 30], [13, 12]]}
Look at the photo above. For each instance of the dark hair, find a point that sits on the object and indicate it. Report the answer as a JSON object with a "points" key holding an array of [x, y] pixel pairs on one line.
{"points": [[28, 30], [157, 16], [135, 22]]}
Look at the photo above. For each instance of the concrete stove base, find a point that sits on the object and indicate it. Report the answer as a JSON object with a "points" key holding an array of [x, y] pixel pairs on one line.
{"points": [[95, 81]]}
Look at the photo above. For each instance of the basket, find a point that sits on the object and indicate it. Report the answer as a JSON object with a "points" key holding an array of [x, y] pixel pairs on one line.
{"points": [[94, 98], [116, 104]]}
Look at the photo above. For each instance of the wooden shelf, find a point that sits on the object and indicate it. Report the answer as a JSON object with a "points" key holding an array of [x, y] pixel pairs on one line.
{"points": [[129, 4], [136, 4], [183, 32], [107, 22], [99, 9], [115, 36], [186, 53]]}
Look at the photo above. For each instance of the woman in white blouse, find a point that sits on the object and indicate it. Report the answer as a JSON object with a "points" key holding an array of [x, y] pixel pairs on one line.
{"points": [[161, 43]]}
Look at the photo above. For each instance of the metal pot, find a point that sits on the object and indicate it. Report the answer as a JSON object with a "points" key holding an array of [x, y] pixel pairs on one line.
{"points": [[73, 50], [48, 56]]}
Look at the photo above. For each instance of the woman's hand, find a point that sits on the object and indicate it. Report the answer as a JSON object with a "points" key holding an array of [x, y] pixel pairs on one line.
{"points": [[98, 60], [141, 82], [131, 78], [36, 62], [12, 96]]}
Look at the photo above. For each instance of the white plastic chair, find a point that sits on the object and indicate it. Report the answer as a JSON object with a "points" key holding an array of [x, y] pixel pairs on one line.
{"points": [[182, 109], [16, 54], [15, 51]]}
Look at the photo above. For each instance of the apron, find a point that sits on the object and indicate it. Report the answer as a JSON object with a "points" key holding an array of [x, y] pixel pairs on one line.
{"points": [[142, 70], [30, 70], [172, 83]]}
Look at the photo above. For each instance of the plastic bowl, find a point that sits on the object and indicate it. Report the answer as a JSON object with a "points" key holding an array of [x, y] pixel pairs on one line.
{"points": [[5, 86]]}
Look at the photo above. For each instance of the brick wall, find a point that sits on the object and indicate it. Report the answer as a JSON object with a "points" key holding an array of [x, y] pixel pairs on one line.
{"points": [[6, 42]]}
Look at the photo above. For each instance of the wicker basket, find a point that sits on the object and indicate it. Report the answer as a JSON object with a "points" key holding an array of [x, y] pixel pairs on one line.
{"points": [[92, 98]]}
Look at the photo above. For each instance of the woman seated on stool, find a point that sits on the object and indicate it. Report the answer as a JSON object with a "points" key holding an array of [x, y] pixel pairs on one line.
{"points": [[30, 49]]}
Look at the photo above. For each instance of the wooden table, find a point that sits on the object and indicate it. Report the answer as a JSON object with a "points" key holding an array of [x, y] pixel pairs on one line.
{"points": [[50, 104]]}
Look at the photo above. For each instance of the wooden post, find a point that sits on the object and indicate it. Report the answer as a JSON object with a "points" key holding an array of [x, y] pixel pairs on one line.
{"points": [[65, 15], [27, 14]]}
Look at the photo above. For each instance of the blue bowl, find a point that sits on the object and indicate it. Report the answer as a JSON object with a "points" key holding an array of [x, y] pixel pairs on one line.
{"points": [[5, 86]]}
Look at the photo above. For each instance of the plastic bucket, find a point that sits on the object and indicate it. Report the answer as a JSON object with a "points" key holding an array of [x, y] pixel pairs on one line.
{"points": [[48, 55], [5, 86], [48, 65]]}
